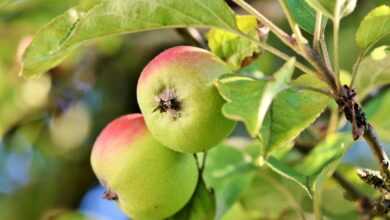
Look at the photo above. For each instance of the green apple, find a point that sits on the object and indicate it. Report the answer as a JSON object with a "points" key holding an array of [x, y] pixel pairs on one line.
{"points": [[149, 180], [181, 106]]}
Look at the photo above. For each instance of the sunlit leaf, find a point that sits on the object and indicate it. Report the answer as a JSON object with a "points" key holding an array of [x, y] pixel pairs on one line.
{"points": [[373, 72], [78, 25], [374, 27], [237, 212], [378, 112]]}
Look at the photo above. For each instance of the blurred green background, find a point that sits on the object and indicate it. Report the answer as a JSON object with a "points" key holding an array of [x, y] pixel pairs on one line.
{"points": [[48, 125]]}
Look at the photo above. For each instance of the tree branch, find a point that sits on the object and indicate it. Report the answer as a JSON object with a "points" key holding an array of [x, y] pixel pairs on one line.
{"points": [[324, 50], [283, 36], [372, 140], [344, 96], [354, 193], [355, 67], [278, 53], [317, 33], [323, 72]]}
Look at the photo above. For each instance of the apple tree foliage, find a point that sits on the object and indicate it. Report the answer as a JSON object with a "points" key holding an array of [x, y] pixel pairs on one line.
{"points": [[262, 177]]}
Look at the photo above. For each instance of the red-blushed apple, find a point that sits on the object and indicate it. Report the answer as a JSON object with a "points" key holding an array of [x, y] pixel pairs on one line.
{"points": [[149, 181], [181, 106]]}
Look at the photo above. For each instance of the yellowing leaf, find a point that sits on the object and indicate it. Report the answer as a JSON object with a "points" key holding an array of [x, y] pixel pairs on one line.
{"points": [[234, 48]]}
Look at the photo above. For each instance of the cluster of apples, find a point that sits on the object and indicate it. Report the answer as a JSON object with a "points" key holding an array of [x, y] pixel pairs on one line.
{"points": [[145, 161]]}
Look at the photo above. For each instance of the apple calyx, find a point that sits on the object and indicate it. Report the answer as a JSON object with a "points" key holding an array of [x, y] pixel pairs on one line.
{"points": [[110, 195], [167, 101]]}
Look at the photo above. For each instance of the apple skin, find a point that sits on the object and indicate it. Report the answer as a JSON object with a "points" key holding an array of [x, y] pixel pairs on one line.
{"points": [[149, 180], [188, 73]]}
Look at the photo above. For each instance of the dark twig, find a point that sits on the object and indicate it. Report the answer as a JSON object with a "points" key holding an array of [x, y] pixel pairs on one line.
{"points": [[373, 141], [364, 203], [325, 72], [356, 67], [375, 179], [324, 50], [353, 193], [193, 36], [361, 128], [367, 208]]}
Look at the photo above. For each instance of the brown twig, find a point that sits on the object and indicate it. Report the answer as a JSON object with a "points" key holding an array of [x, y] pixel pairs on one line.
{"points": [[325, 72], [353, 193], [193, 36], [372, 140]]}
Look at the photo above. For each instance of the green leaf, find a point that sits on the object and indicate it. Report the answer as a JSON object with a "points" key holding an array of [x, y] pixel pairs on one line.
{"points": [[243, 96], [319, 183], [378, 113], [81, 24], [270, 196], [200, 207], [303, 14], [317, 166], [291, 112], [373, 72], [229, 172], [375, 26], [289, 173], [248, 99], [322, 163], [328, 7], [341, 208], [324, 153], [234, 48]]}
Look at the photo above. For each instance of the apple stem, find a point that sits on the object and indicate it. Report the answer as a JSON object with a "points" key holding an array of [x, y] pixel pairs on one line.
{"points": [[203, 162]]}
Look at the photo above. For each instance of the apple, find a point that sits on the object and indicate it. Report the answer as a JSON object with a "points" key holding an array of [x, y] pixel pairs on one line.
{"points": [[181, 106], [149, 181]]}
